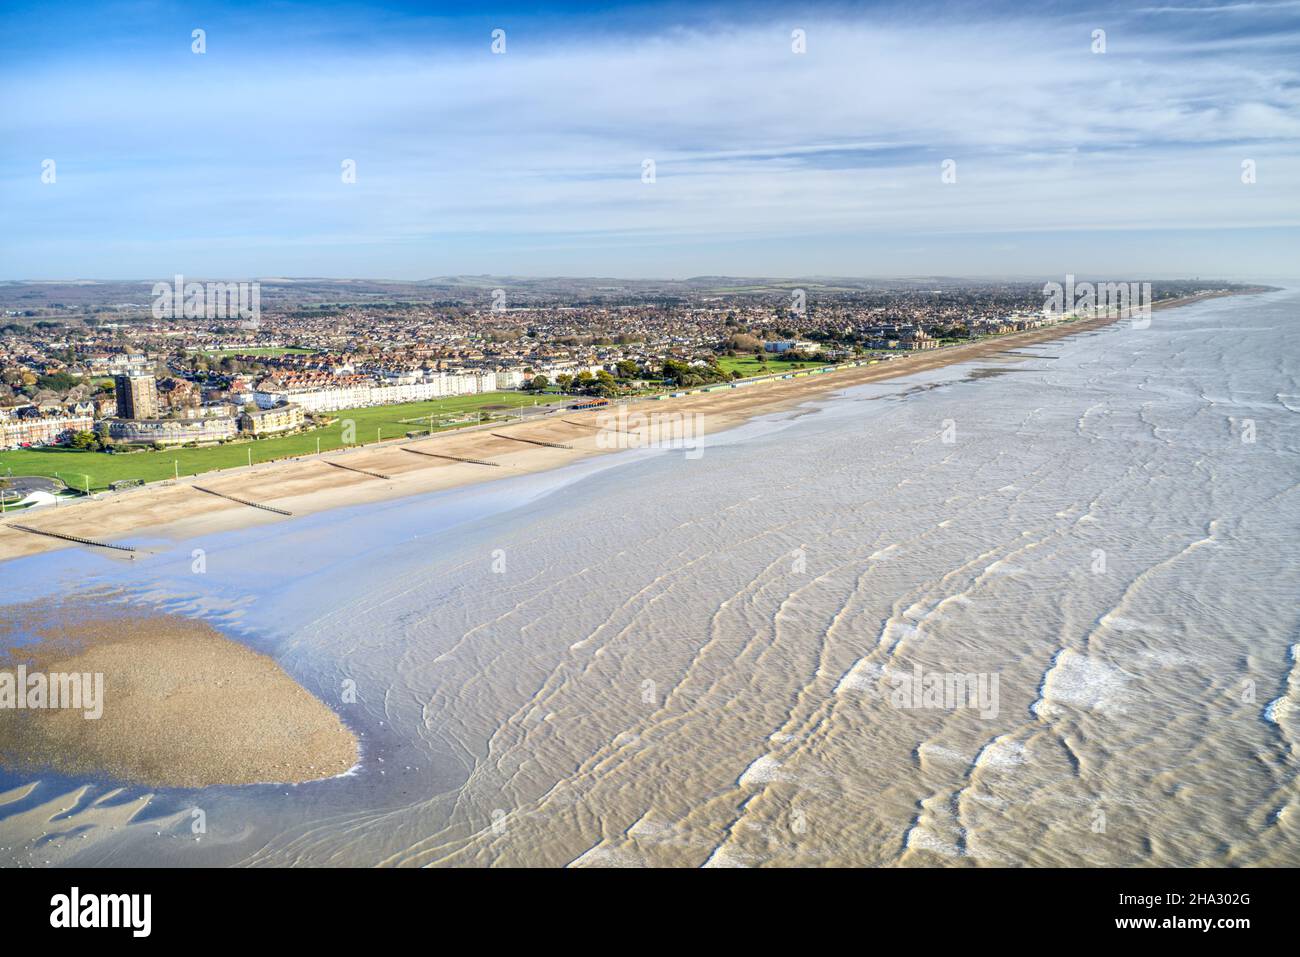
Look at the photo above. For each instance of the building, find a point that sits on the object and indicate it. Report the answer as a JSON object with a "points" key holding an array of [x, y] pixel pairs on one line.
{"points": [[177, 394], [213, 428], [317, 392], [791, 345], [134, 363], [29, 426], [919, 339], [281, 418], [137, 396], [325, 393]]}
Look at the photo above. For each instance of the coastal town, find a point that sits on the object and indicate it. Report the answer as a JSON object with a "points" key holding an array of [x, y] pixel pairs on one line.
{"points": [[92, 368]]}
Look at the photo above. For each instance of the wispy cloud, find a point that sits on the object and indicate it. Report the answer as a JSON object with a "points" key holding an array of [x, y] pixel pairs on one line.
{"points": [[1281, 6]]}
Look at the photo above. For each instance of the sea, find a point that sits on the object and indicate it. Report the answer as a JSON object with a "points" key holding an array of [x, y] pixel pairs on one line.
{"points": [[1035, 609]]}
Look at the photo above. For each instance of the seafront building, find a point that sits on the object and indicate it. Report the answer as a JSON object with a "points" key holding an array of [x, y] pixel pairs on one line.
{"points": [[214, 428], [919, 339], [325, 393], [281, 418], [780, 346]]}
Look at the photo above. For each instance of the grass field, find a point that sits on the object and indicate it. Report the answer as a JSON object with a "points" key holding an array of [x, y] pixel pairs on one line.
{"points": [[98, 469], [752, 366]]}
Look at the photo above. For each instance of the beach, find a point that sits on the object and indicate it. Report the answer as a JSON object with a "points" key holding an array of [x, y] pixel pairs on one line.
{"points": [[175, 510], [654, 659], [175, 704]]}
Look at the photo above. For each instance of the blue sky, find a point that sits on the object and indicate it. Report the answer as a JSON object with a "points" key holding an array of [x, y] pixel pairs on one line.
{"points": [[767, 162]]}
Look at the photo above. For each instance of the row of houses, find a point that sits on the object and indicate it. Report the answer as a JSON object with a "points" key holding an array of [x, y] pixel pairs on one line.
{"points": [[325, 393], [119, 363], [30, 425], [1006, 324]]}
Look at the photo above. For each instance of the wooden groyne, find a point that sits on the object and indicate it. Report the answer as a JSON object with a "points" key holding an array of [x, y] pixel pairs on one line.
{"points": [[353, 468], [599, 428], [516, 438], [241, 501], [453, 458], [69, 538]]}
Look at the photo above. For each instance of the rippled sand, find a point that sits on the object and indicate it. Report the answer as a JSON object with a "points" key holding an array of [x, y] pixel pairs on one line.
{"points": [[675, 661]]}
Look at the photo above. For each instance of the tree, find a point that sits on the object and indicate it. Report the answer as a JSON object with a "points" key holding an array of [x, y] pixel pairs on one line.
{"points": [[564, 381], [57, 381], [627, 369], [685, 374], [676, 369], [83, 440], [538, 383], [605, 385]]}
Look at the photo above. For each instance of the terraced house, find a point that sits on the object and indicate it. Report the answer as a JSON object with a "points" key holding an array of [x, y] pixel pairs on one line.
{"points": [[30, 425]]}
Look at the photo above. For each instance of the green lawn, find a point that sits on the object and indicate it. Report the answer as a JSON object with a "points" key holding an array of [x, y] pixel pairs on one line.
{"points": [[387, 422], [745, 365], [751, 366]]}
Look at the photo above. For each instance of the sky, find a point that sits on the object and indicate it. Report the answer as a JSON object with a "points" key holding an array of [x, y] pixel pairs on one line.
{"points": [[650, 140]]}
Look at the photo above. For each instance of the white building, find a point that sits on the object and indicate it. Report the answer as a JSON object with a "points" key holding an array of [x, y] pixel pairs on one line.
{"points": [[353, 396]]}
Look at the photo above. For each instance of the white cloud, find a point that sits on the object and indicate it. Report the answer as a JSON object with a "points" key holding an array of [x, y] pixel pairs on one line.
{"points": [[749, 139]]}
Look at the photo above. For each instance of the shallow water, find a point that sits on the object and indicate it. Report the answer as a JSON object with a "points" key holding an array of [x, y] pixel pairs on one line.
{"points": [[657, 659]]}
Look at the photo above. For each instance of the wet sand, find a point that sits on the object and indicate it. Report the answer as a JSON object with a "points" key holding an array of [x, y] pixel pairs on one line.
{"points": [[175, 510], [182, 705]]}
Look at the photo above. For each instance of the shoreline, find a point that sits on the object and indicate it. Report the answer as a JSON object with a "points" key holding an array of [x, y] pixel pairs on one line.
{"points": [[176, 510]]}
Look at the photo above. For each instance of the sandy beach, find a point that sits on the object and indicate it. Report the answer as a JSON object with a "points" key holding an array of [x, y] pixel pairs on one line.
{"points": [[309, 484], [179, 704]]}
